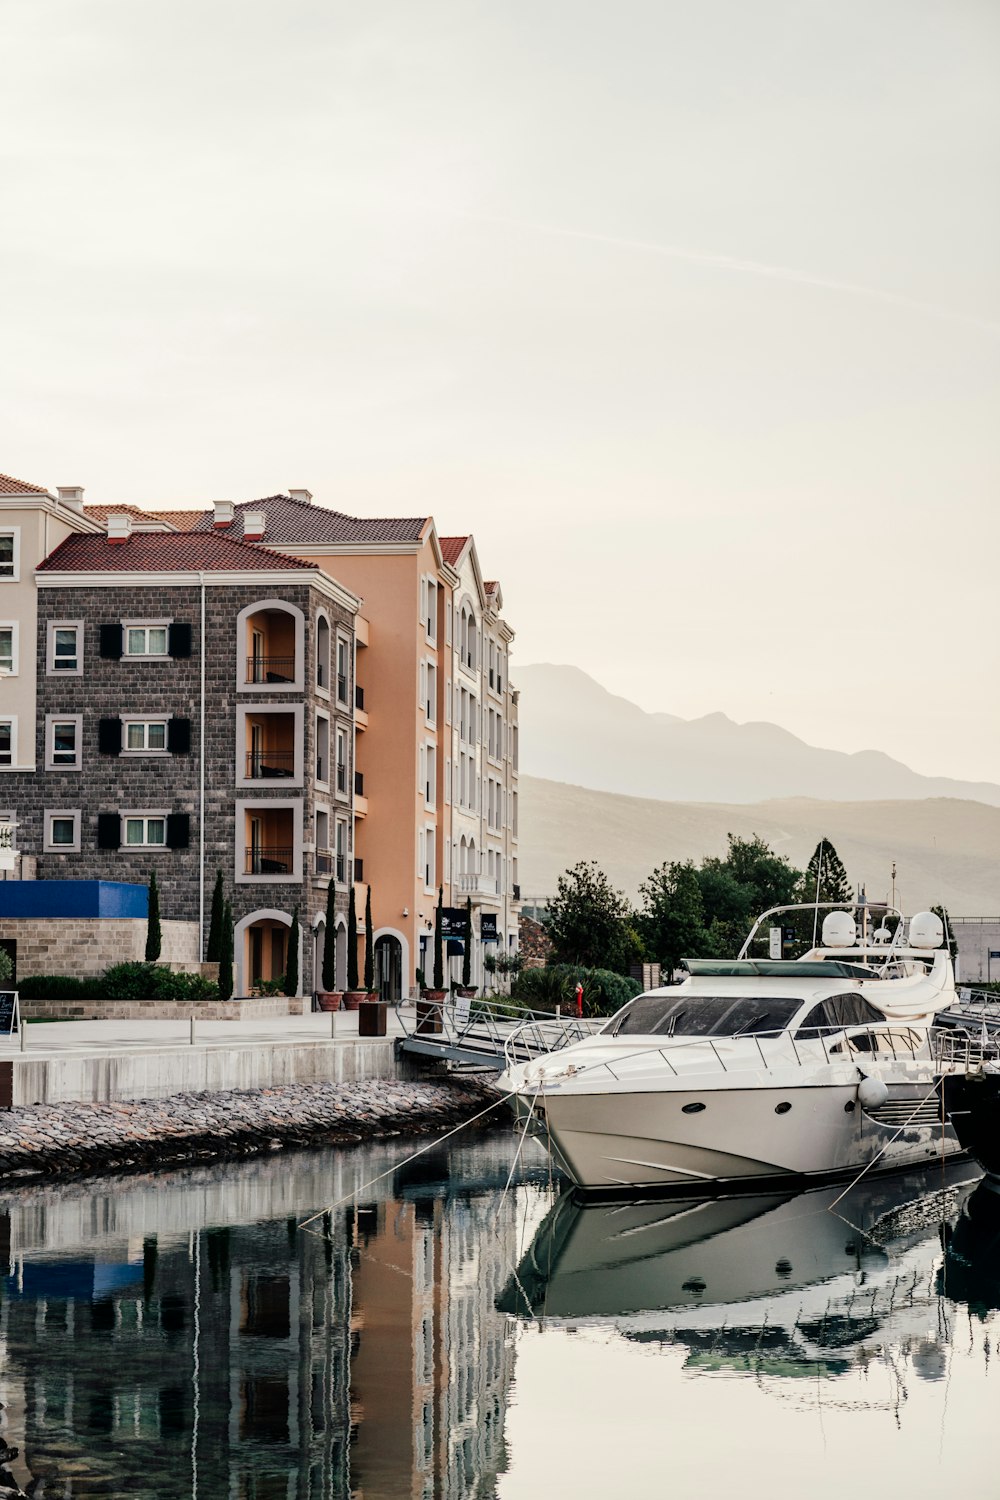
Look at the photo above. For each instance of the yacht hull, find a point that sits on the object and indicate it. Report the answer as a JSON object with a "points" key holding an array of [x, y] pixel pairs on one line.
{"points": [[740, 1136]]}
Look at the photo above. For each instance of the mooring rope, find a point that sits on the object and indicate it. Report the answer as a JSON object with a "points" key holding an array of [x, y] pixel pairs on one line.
{"points": [[868, 1165]]}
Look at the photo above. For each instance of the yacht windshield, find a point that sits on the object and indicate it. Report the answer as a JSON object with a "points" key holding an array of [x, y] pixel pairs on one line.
{"points": [[704, 1015]]}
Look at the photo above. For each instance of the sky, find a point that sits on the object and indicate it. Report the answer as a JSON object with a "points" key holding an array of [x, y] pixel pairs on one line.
{"points": [[690, 312]]}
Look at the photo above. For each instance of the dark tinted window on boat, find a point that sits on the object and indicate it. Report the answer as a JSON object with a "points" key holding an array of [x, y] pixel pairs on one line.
{"points": [[704, 1015], [840, 1010]]}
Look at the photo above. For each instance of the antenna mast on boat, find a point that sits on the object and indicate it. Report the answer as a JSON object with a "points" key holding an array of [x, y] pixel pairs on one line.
{"points": [[819, 876]]}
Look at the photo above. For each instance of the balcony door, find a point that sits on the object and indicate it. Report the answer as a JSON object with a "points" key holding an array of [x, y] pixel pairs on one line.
{"points": [[257, 654], [256, 748]]}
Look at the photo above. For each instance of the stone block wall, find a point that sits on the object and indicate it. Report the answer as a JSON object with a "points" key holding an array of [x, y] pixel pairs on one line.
{"points": [[85, 946], [535, 946]]}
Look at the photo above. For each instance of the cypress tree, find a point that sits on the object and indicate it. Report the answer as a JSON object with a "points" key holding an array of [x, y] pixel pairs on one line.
{"points": [[352, 942], [226, 954], [467, 955], [154, 937], [330, 940], [292, 960], [213, 952], [438, 941], [833, 882], [369, 944]]}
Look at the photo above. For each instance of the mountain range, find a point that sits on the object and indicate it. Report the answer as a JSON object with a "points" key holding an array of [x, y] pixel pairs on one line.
{"points": [[573, 730]]}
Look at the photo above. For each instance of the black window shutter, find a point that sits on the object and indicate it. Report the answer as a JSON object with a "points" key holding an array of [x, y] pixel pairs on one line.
{"points": [[109, 736], [178, 830], [179, 736], [109, 831], [111, 642], [180, 640]]}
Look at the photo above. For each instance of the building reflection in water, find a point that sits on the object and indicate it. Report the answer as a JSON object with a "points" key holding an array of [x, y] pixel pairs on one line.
{"points": [[242, 1357]]}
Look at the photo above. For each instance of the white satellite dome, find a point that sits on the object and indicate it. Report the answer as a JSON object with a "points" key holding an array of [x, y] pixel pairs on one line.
{"points": [[839, 930], [926, 930]]}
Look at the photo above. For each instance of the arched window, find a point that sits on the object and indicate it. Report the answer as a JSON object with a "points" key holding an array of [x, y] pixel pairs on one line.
{"points": [[323, 653], [270, 647]]}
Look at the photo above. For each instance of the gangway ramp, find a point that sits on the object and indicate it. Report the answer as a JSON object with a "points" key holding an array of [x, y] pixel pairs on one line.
{"points": [[487, 1033]]}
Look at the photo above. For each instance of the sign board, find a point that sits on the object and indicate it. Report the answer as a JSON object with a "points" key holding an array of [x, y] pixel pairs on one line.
{"points": [[488, 927], [463, 1005], [453, 921], [774, 945], [995, 953], [10, 1013]]}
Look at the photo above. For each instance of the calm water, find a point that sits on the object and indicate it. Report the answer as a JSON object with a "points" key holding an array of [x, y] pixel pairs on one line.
{"points": [[182, 1336]]}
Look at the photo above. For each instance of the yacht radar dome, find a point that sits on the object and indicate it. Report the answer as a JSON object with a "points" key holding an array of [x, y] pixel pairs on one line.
{"points": [[926, 930], [839, 930]]}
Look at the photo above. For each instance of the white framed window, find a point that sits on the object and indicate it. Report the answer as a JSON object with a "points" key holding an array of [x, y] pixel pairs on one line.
{"points": [[447, 702], [430, 776], [8, 742], [341, 762], [430, 863], [144, 830], [146, 638], [323, 748], [343, 669], [62, 831], [63, 742], [8, 648], [64, 648], [10, 554], [340, 853], [430, 698], [322, 655], [430, 610], [144, 736], [447, 780]]}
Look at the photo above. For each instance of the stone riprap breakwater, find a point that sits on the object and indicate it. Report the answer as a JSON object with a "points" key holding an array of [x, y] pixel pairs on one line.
{"points": [[59, 1139]]}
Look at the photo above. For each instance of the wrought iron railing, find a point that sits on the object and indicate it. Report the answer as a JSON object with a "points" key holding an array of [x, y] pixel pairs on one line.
{"points": [[269, 859], [264, 765], [270, 669]]}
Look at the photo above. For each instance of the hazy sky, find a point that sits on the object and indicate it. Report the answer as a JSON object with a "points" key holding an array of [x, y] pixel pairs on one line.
{"points": [[690, 309]]}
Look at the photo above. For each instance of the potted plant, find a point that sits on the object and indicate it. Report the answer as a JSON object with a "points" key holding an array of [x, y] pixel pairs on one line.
{"points": [[329, 997], [352, 995], [373, 1012], [467, 989], [430, 1006]]}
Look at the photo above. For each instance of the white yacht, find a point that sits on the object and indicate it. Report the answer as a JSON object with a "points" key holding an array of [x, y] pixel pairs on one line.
{"points": [[758, 1071]]}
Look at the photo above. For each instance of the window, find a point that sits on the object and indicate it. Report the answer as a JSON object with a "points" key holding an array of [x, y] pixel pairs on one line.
{"points": [[323, 654], [322, 748], [146, 640], [63, 736], [65, 647], [342, 669], [10, 554], [341, 853], [341, 762], [146, 734], [703, 1015], [430, 617], [431, 700], [8, 741], [430, 874], [145, 831], [8, 649], [62, 831], [430, 772]]}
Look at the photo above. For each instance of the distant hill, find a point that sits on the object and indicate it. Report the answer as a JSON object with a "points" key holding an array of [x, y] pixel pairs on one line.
{"points": [[573, 730], [945, 850]]}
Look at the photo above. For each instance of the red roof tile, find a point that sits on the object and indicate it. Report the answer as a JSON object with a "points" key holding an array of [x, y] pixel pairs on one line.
{"points": [[290, 521], [166, 552], [180, 520], [452, 547], [11, 486]]}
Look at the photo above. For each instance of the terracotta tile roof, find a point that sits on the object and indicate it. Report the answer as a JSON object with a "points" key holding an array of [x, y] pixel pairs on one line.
{"points": [[491, 585], [11, 486], [166, 552], [180, 520], [452, 547], [290, 521]]}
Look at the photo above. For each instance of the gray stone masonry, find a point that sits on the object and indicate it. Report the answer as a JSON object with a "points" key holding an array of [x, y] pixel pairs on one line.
{"points": [[109, 783]]}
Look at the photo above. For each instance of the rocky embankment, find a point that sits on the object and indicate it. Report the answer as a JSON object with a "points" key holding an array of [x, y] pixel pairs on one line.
{"points": [[67, 1139]]}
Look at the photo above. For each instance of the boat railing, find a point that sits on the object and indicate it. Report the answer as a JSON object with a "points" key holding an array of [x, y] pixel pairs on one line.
{"points": [[878, 1041], [965, 1048], [495, 1027]]}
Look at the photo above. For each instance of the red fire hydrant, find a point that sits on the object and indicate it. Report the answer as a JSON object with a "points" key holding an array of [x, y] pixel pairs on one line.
{"points": [[579, 999]]}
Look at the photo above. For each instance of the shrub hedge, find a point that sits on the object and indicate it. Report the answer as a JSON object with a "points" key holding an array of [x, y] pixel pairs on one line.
{"points": [[121, 982], [604, 991]]}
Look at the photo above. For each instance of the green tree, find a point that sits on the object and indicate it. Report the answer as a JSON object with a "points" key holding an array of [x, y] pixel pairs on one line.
{"points": [[369, 944], [467, 955], [226, 954], [833, 882], [213, 951], [672, 915], [590, 923], [154, 936], [352, 942], [439, 941], [330, 940], [749, 880], [292, 957], [950, 941]]}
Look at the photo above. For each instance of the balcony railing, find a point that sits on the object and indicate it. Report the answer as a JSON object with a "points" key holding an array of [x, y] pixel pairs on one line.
{"points": [[269, 765], [359, 697], [479, 885], [324, 862], [270, 669], [359, 784], [269, 859]]}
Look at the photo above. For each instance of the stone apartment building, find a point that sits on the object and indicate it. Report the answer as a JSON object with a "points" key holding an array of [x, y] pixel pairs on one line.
{"points": [[188, 718]]}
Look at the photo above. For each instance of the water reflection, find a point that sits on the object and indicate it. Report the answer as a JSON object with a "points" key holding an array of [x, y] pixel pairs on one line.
{"points": [[181, 1335], [795, 1286]]}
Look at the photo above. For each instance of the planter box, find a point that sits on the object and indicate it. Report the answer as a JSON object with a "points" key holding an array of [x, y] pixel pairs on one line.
{"points": [[372, 1018]]}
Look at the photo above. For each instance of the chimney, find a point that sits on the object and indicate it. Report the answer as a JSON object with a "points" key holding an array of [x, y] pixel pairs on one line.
{"points": [[254, 525], [119, 528], [304, 497], [71, 495], [223, 513]]}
